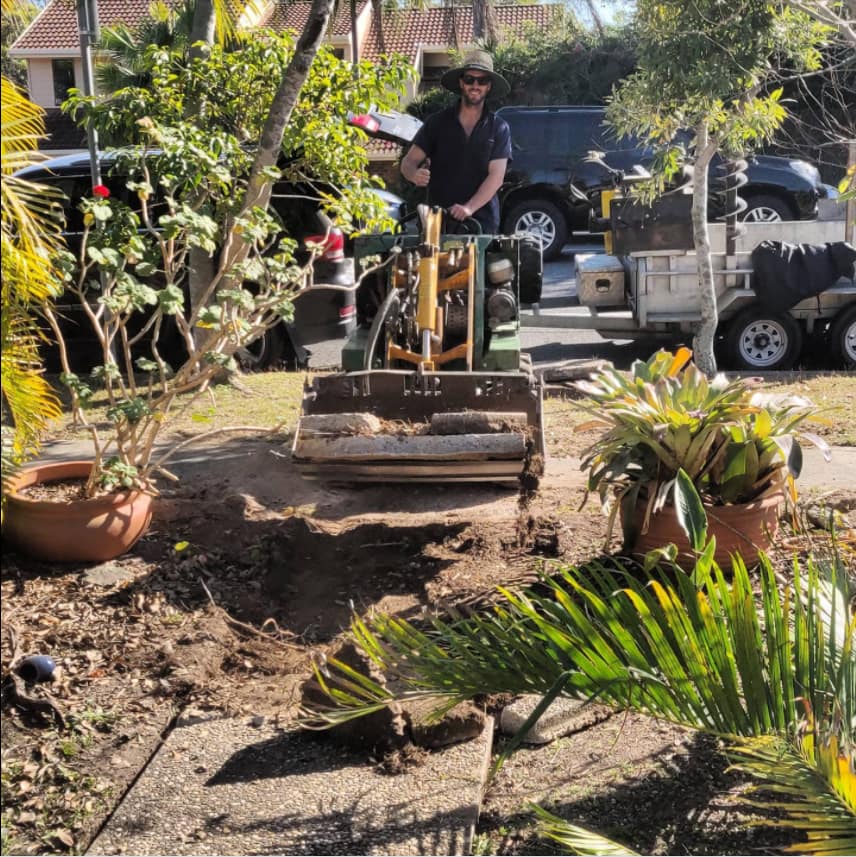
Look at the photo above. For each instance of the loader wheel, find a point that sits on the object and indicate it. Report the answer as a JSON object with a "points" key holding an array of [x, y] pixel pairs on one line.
{"points": [[842, 337], [541, 220], [756, 339]]}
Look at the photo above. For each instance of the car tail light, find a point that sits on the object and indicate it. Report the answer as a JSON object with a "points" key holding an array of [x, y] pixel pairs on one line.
{"points": [[347, 311], [332, 245], [365, 121]]}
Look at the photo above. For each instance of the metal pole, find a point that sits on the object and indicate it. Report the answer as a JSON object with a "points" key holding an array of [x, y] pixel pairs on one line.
{"points": [[87, 24], [355, 42]]}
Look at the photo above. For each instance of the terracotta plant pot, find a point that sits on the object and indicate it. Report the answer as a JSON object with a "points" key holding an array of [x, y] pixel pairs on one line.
{"points": [[744, 528], [91, 530]]}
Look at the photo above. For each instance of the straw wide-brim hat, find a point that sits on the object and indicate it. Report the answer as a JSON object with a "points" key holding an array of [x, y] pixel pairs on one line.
{"points": [[476, 61]]}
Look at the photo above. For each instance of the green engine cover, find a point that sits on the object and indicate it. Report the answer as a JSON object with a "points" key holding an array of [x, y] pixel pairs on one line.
{"points": [[496, 350]]}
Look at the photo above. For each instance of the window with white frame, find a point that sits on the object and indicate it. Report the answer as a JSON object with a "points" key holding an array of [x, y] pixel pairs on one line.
{"points": [[63, 79]]}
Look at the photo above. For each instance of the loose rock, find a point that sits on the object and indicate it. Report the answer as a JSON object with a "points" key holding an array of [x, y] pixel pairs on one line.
{"points": [[562, 717]]}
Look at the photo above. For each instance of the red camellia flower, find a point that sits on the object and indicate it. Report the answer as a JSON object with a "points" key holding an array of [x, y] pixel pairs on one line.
{"points": [[101, 190]]}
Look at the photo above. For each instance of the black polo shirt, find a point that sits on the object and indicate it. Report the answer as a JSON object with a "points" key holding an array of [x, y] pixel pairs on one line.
{"points": [[460, 164]]}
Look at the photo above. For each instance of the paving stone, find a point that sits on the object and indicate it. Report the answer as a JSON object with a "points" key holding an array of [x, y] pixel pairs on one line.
{"points": [[227, 787], [562, 717], [109, 574]]}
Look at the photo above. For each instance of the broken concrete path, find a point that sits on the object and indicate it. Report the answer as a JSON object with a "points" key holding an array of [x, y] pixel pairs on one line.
{"points": [[222, 786]]}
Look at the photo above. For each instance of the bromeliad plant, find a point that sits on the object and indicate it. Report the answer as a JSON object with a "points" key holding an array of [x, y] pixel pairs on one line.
{"points": [[664, 416]]}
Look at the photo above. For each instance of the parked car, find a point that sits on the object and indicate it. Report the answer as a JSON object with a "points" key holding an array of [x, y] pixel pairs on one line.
{"points": [[550, 188], [319, 315]]}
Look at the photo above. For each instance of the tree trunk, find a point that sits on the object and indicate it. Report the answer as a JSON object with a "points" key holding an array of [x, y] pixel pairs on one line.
{"points": [[258, 188], [705, 333], [595, 17], [485, 28], [203, 28], [377, 15]]}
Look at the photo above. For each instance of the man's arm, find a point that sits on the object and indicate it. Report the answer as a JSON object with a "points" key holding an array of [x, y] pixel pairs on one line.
{"points": [[412, 169], [486, 192]]}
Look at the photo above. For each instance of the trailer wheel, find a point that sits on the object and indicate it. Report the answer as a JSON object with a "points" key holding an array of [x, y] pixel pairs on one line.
{"points": [[541, 220], [842, 337], [756, 339]]}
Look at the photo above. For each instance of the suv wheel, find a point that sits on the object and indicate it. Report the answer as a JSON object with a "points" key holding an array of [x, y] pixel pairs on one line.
{"points": [[542, 220], [766, 209], [756, 339], [842, 338], [272, 350]]}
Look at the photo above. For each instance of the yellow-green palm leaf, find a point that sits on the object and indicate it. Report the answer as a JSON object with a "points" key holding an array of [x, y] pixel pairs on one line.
{"points": [[30, 234], [574, 839]]}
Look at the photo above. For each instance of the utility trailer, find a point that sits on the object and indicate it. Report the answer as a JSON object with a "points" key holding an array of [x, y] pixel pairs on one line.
{"points": [[655, 293]]}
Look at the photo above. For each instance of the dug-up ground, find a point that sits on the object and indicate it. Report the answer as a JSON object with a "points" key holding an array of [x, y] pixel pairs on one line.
{"points": [[171, 724]]}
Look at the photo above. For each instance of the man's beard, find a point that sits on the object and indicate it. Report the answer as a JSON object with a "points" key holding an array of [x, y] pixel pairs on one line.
{"points": [[474, 101]]}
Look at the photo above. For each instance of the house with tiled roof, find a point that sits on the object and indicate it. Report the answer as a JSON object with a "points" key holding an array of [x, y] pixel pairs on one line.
{"points": [[427, 37]]}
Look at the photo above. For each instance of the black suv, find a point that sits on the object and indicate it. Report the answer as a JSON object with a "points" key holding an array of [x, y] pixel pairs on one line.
{"points": [[318, 315], [550, 189]]}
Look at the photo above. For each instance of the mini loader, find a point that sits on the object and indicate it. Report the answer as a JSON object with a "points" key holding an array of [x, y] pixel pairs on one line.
{"points": [[434, 386]]}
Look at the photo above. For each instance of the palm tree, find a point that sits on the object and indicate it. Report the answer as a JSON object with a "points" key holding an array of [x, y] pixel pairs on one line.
{"points": [[775, 677], [30, 233], [122, 49]]}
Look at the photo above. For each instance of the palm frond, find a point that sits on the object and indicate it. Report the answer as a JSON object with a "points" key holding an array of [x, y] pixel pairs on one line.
{"points": [[574, 839], [813, 780], [30, 235], [697, 650], [705, 657]]}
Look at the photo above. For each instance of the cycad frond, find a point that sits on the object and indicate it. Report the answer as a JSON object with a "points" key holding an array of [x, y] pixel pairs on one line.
{"points": [[698, 650], [707, 658], [574, 839], [814, 783]]}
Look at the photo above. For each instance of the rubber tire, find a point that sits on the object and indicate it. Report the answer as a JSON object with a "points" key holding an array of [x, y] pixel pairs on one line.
{"points": [[842, 329], [737, 330], [272, 350], [774, 204], [543, 211]]}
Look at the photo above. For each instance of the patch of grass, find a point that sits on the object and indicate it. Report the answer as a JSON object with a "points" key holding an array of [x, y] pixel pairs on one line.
{"points": [[267, 399], [48, 802], [835, 396]]}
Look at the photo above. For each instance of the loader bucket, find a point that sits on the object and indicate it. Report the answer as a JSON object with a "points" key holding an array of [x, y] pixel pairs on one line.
{"points": [[403, 426]]}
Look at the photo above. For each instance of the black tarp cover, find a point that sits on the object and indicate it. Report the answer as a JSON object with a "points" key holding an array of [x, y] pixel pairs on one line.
{"points": [[785, 274]]}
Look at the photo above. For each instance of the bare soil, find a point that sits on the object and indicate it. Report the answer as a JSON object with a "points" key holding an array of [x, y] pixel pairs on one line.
{"points": [[247, 570]]}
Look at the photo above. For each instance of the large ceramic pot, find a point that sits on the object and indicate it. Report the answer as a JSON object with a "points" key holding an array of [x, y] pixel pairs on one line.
{"points": [[744, 528], [92, 530]]}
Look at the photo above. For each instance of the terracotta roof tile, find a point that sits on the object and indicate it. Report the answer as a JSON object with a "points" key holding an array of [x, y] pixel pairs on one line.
{"points": [[56, 26], [287, 15], [406, 29]]}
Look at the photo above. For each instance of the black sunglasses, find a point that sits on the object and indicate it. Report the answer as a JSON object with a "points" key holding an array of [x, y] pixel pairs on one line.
{"points": [[472, 80]]}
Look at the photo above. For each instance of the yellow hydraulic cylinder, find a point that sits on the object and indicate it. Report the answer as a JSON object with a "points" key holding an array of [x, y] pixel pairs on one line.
{"points": [[426, 303], [606, 197]]}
